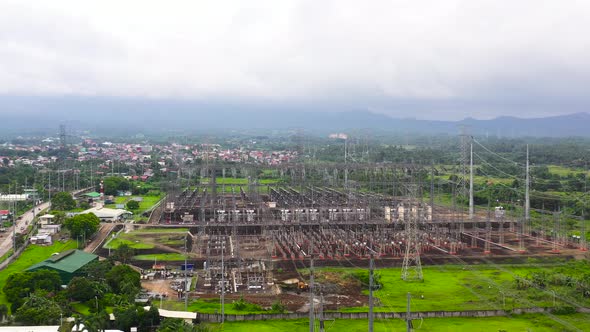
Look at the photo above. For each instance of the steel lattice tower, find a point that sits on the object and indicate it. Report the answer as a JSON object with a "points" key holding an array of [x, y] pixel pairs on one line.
{"points": [[465, 146], [412, 266], [62, 135]]}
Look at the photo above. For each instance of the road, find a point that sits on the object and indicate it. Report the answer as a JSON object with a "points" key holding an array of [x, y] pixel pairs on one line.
{"points": [[103, 232], [22, 223]]}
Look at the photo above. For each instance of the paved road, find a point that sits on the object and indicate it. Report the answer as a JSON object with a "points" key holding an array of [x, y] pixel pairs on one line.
{"points": [[22, 223], [103, 232]]}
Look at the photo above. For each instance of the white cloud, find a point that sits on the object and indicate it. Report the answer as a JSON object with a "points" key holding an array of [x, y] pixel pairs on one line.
{"points": [[290, 50]]}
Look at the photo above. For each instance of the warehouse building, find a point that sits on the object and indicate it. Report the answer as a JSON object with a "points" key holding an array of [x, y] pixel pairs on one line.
{"points": [[68, 264]]}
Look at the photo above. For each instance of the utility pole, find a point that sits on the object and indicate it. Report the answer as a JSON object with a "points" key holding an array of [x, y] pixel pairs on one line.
{"points": [[409, 325], [321, 314], [14, 212], [222, 282], [186, 286], [471, 183], [527, 202], [432, 185], [91, 177], [311, 289], [583, 243], [371, 314], [49, 186]]}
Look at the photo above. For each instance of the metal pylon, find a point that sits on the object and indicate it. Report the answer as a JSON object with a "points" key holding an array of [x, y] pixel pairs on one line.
{"points": [[412, 266]]}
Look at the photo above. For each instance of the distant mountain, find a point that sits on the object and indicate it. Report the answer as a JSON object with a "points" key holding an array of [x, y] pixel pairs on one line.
{"points": [[577, 124], [28, 114]]}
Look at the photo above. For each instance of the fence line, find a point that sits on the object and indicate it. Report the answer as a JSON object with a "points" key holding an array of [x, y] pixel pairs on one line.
{"points": [[378, 315]]}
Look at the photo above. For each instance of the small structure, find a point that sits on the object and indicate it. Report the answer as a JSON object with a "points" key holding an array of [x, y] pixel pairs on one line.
{"points": [[110, 215], [42, 238], [92, 196], [46, 219], [68, 263], [4, 214], [50, 229]]}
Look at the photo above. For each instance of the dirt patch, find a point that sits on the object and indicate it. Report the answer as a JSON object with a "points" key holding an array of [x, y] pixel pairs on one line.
{"points": [[160, 286]]}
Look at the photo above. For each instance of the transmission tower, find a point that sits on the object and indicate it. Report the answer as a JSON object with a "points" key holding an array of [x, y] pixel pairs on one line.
{"points": [[412, 267], [465, 157], [62, 135]]}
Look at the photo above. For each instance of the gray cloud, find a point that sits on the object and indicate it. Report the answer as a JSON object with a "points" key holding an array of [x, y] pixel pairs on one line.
{"points": [[425, 58]]}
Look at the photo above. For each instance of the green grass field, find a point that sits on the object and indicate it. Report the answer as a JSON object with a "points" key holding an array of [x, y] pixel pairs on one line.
{"points": [[212, 306], [159, 230], [121, 239], [148, 201], [137, 239], [456, 287], [524, 323], [33, 254], [160, 257]]}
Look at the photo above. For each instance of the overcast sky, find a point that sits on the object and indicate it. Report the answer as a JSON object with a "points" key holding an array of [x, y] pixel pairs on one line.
{"points": [[434, 59]]}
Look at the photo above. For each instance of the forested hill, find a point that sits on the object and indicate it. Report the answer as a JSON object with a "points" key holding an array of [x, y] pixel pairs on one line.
{"points": [[20, 113]]}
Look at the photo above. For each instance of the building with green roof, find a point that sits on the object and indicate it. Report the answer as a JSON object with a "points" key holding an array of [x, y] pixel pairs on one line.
{"points": [[68, 264], [93, 194]]}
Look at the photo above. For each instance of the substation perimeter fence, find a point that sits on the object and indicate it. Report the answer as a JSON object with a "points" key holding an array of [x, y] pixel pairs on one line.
{"points": [[216, 318]]}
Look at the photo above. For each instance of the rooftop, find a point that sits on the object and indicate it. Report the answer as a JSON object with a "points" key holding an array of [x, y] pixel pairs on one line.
{"points": [[68, 261]]}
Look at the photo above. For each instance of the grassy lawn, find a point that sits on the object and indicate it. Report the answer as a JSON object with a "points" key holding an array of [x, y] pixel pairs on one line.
{"points": [[453, 287], [160, 257], [81, 308], [32, 255], [212, 306], [148, 201], [118, 241], [537, 323], [146, 237], [159, 230]]}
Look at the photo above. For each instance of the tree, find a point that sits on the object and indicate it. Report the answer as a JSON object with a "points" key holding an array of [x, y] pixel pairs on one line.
{"points": [[123, 279], [19, 241], [126, 317], [124, 253], [133, 205], [113, 183], [97, 270], [81, 289], [82, 225], [38, 310], [96, 322], [84, 205], [59, 217], [63, 201], [19, 285], [148, 319]]}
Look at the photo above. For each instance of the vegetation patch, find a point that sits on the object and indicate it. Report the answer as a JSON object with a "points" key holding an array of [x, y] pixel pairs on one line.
{"points": [[160, 257], [33, 254]]}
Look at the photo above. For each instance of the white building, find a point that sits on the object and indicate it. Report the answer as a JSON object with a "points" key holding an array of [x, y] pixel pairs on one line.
{"points": [[111, 215]]}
